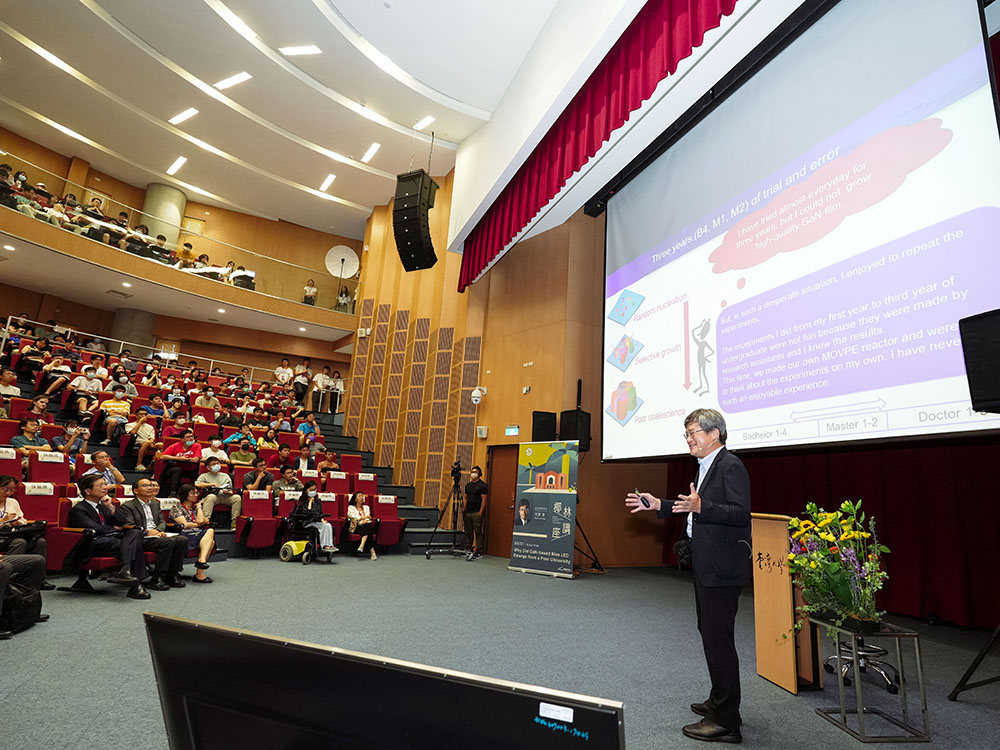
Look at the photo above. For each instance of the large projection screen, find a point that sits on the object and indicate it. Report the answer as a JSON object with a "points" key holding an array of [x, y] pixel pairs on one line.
{"points": [[800, 259]]}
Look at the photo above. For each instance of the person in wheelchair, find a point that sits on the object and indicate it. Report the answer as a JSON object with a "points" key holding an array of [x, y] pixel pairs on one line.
{"points": [[308, 514]]}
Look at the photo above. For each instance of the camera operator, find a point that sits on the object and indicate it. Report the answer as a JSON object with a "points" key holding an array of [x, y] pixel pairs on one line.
{"points": [[472, 509]]}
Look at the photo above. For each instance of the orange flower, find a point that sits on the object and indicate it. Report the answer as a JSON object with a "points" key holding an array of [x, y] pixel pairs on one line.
{"points": [[834, 550]]}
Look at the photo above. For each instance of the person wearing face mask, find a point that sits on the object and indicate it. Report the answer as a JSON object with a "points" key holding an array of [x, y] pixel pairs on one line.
{"points": [[73, 442], [144, 435], [116, 411], [215, 450], [207, 399], [183, 457], [177, 408], [308, 512], [119, 377], [85, 389], [180, 424], [220, 488], [226, 418], [151, 376], [243, 455]]}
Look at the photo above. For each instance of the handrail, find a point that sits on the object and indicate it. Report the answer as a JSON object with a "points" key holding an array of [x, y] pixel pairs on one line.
{"points": [[328, 284], [161, 358]]}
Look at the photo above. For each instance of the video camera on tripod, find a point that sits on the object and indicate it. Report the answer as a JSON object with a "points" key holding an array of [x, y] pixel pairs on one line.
{"points": [[456, 472]]}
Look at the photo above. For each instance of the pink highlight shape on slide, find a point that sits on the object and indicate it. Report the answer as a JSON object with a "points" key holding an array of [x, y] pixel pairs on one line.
{"points": [[807, 212]]}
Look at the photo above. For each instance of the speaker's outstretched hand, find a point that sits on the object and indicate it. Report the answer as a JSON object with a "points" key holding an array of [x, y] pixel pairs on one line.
{"points": [[641, 501]]}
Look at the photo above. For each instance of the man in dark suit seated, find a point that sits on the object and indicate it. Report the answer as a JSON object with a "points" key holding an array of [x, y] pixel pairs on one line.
{"points": [[96, 511], [26, 570], [144, 513], [718, 525]]}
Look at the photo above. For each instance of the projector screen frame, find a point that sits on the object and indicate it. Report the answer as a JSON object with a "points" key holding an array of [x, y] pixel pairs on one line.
{"points": [[783, 35]]}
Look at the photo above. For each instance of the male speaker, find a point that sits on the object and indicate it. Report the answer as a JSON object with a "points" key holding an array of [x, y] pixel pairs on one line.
{"points": [[415, 192]]}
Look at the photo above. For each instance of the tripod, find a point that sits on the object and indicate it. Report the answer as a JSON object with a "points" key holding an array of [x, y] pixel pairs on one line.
{"points": [[454, 501], [964, 683]]}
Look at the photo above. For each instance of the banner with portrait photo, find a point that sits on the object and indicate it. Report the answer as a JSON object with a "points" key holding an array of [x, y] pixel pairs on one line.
{"points": [[545, 509]]}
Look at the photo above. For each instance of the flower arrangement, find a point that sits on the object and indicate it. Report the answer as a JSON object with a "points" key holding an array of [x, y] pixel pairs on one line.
{"points": [[837, 562]]}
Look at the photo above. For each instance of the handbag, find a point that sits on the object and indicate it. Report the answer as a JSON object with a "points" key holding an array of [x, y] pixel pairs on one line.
{"points": [[30, 531]]}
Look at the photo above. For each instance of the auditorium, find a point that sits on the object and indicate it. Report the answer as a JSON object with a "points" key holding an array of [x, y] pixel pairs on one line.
{"points": [[541, 374]]}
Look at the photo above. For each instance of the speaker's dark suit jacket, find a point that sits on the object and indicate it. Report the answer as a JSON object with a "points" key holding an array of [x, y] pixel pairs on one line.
{"points": [[107, 541], [169, 551], [131, 513], [720, 547]]}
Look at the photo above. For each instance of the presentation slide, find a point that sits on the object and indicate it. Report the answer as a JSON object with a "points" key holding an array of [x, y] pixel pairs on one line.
{"points": [[801, 258]]}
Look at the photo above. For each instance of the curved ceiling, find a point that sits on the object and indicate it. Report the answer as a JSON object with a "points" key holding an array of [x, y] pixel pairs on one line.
{"points": [[114, 72]]}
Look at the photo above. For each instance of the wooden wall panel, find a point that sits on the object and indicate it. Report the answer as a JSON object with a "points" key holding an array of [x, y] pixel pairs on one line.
{"points": [[411, 401], [359, 373], [376, 375], [385, 444], [28, 155]]}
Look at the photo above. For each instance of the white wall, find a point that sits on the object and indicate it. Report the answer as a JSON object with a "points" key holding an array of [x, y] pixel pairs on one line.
{"points": [[573, 41]]}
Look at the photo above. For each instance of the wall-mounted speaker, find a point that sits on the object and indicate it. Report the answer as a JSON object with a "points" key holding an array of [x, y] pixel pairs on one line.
{"points": [[575, 425], [543, 426], [415, 192]]}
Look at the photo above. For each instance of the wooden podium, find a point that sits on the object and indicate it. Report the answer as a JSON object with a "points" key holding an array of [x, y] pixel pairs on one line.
{"points": [[786, 661]]}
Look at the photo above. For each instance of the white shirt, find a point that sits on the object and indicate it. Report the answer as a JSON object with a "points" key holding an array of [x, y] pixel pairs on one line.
{"points": [[12, 506], [704, 464], [145, 433], [302, 374], [220, 454], [150, 523], [82, 384], [283, 374], [321, 380], [353, 512]]}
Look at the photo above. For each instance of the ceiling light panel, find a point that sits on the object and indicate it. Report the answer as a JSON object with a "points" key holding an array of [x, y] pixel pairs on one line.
{"points": [[187, 114], [372, 149], [308, 49], [327, 182], [423, 123], [226, 83], [178, 163]]}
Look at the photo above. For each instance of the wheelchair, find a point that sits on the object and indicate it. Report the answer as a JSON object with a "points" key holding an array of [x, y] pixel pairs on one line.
{"points": [[302, 543]]}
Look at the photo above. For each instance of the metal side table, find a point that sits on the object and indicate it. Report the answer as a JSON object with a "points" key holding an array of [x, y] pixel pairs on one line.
{"points": [[838, 715]]}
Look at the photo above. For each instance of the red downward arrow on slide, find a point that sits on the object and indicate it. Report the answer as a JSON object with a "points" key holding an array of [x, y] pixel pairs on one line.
{"points": [[687, 350]]}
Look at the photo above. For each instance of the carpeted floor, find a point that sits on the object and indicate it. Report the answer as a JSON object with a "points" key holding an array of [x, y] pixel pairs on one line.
{"points": [[628, 635]]}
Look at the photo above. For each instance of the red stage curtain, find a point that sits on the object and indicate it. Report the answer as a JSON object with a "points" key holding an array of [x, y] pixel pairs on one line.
{"points": [[662, 34], [936, 505]]}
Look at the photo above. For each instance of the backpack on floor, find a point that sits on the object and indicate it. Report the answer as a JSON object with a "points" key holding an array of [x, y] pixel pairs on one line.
{"points": [[21, 607]]}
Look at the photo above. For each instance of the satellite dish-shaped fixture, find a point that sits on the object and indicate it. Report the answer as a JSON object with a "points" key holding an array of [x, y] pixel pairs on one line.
{"points": [[342, 262]]}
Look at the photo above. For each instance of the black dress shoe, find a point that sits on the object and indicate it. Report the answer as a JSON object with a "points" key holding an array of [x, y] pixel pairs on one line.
{"points": [[46, 586], [138, 592], [42, 618], [158, 584], [206, 579], [702, 709], [123, 576], [709, 731], [174, 581], [5, 634]]}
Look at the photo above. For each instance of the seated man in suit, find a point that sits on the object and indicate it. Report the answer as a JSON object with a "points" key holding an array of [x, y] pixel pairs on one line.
{"points": [[144, 513], [96, 511]]}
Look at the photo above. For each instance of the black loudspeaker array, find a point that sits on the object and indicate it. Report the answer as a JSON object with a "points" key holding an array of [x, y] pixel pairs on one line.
{"points": [[981, 346], [415, 193], [543, 426], [574, 424]]}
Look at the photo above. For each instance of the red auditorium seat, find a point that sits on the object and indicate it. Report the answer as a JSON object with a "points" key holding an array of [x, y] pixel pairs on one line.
{"points": [[286, 502], [339, 482], [238, 473], [39, 501], [334, 508], [82, 464], [8, 430], [204, 431], [365, 482], [350, 463], [290, 439], [50, 431], [48, 466], [257, 529], [390, 526], [10, 462]]}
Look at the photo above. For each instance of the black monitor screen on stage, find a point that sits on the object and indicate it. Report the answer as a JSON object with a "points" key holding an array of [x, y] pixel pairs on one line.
{"points": [[222, 688], [800, 259]]}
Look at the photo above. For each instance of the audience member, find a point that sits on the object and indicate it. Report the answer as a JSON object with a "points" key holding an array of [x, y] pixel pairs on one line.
{"points": [[283, 374], [207, 399], [287, 483], [155, 406], [186, 256], [144, 436], [38, 410], [309, 292], [179, 426], [151, 376], [8, 383], [359, 521], [303, 376], [73, 441], [116, 412], [143, 512], [322, 382], [183, 457], [55, 375], [308, 430], [279, 422], [268, 440], [244, 455], [305, 461], [226, 418], [178, 409], [188, 515], [30, 440], [215, 450], [96, 511], [104, 467], [97, 362], [258, 478], [328, 464], [308, 511], [120, 377], [220, 488], [12, 516], [85, 389], [33, 356], [343, 300], [282, 458]]}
